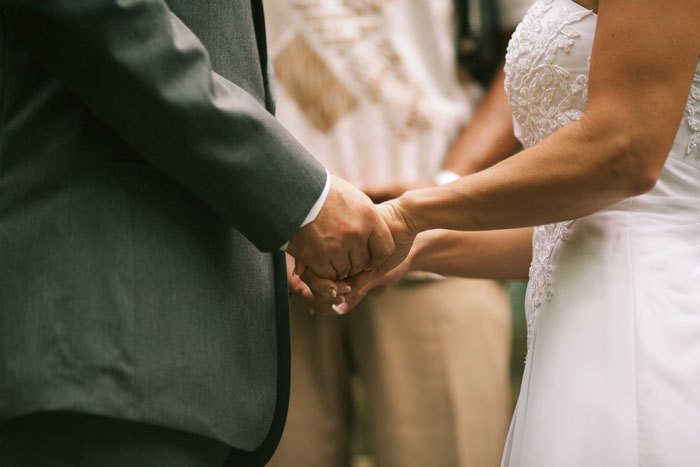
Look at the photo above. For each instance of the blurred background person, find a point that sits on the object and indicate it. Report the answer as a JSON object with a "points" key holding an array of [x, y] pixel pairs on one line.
{"points": [[394, 95]]}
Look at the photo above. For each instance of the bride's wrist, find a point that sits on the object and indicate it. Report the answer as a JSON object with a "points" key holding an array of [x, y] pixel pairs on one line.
{"points": [[417, 256], [423, 251], [410, 204]]}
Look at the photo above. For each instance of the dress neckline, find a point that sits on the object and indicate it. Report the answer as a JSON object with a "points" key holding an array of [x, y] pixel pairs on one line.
{"points": [[583, 7]]}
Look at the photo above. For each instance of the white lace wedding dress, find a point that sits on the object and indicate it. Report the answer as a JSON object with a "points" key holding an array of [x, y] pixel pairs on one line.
{"points": [[613, 372]]}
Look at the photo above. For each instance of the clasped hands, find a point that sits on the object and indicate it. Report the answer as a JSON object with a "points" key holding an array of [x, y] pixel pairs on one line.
{"points": [[350, 245]]}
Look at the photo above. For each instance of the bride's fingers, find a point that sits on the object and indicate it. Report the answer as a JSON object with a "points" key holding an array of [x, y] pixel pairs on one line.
{"points": [[358, 282], [320, 308], [343, 287], [351, 302], [375, 282], [324, 290], [316, 307], [363, 279]]}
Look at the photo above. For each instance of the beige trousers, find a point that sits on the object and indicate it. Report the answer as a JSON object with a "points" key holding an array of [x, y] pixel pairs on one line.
{"points": [[433, 359]]}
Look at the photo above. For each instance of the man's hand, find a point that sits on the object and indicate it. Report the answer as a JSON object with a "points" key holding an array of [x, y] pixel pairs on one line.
{"points": [[376, 286], [403, 232], [348, 236], [329, 294], [351, 291], [388, 273]]}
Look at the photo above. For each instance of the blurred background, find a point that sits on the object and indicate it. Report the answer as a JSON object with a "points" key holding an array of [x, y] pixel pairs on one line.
{"points": [[361, 447], [394, 95]]}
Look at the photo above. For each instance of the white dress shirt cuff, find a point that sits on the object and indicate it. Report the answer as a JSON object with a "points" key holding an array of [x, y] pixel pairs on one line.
{"points": [[316, 208]]}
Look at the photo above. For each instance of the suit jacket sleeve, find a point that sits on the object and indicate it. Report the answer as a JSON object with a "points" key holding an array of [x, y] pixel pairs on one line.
{"points": [[140, 69]]}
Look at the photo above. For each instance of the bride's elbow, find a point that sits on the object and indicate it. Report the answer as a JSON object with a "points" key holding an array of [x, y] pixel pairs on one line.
{"points": [[626, 155], [632, 163], [644, 182]]}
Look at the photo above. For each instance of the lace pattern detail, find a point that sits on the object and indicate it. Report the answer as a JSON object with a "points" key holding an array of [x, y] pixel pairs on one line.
{"points": [[545, 239], [546, 70], [541, 92], [545, 96], [692, 108]]}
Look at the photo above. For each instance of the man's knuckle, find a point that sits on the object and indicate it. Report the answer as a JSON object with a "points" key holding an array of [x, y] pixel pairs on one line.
{"points": [[368, 209], [353, 232]]}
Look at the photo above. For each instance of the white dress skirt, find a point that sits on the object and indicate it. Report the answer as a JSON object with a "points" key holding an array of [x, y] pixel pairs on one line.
{"points": [[613, 370]]}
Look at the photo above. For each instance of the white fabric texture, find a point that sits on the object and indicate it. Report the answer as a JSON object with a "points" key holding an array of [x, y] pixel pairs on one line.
{"points": [[382, 69], [613, 372], [318, 205]]}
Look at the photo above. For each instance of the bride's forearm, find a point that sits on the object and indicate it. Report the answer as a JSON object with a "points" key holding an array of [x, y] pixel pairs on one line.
{"points": [[502, 254], [568, 175], [637, 93]]}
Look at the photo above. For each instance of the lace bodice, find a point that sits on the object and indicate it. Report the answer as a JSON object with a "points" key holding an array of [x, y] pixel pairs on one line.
{"points": [[547, 87], [546, 69]]}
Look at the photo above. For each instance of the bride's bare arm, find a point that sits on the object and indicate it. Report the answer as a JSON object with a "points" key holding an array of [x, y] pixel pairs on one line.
{"points": [[643, 60], [497, 254], [644, 56]]}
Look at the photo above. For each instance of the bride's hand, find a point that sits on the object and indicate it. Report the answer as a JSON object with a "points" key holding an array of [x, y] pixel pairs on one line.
{"points": [[376, 286], [324, 294], [403, 233], [325, 290], [349, 293]]}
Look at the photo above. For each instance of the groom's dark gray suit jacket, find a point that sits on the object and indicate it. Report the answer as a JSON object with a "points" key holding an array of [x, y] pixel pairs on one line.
{"points": [[142, 178]]}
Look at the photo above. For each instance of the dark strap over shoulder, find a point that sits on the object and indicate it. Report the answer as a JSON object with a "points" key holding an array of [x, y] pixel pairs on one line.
{"points": [[478, 37]]}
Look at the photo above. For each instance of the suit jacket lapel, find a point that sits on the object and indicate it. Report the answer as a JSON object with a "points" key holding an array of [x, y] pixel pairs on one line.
{"points": [[260, 38]]}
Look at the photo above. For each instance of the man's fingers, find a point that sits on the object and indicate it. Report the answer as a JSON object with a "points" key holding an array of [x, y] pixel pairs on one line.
{"points": [[341, 265], [322, 268], [299, 267], [361, 283], [323, 290], [359, 259]]}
